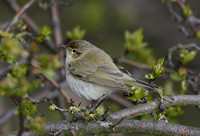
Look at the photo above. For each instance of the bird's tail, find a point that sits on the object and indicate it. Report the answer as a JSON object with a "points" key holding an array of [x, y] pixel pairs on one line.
{"points": [[142, 84]]}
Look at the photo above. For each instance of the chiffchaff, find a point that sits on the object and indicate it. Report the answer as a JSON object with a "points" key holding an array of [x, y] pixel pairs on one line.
{"points": [[90, 72]]}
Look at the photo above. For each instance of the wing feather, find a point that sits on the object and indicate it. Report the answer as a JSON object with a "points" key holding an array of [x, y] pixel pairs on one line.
{"points": [[100, 74]]}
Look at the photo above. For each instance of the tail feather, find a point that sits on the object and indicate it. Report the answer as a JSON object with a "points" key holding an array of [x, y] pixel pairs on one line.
{"points": [[143, 85]]}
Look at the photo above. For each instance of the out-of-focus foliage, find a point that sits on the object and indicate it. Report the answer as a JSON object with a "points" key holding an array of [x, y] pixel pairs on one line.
{"points": [[36, 123], [137, 49], [76, 34], [15, 83], [11, 50], [27, 108], [44, 34], [186, 56], [91, 15], [42, 64], [198, 35], [180, 76], [173, 112]]}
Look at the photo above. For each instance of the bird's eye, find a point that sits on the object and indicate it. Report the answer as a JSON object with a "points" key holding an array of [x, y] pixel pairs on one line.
{"points": [[74, 51]]}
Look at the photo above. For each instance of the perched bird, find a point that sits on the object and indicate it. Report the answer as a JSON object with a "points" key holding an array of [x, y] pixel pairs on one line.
{"points": [[90, 72]]}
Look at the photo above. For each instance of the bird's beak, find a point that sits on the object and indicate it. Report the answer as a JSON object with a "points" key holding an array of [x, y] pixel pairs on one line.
{"points": [[64, 46]]}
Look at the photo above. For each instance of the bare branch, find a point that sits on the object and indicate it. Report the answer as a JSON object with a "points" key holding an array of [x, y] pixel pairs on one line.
{"points": [[126, 126], [19, 14], [56, 24], [135, 64], [178, 100], [187, 25], [120, 100]]}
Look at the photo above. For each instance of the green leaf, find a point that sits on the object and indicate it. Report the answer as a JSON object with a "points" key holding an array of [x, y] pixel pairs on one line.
{"points": [[158, 69], [136, 48], [45, 31], [134, 41], [180, 75], [76, 34], [43, 34]]}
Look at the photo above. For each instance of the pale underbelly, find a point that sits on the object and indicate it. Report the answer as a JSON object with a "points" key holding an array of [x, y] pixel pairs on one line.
{"points": [[90, 91]]}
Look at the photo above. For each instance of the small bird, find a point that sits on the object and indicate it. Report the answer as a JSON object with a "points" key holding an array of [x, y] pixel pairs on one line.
{"points": [[90, 72]]}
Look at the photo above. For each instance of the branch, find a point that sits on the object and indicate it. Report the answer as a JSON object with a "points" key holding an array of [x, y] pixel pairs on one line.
{"points": [[120, 100], [126, 126], [184, 22], [135, 64], [39, 96], [56, 25], [178, 100], [19, 14], [52, 82]]}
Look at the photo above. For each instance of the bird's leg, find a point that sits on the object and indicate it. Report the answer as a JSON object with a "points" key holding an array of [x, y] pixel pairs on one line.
{"points": [[96, 103]]}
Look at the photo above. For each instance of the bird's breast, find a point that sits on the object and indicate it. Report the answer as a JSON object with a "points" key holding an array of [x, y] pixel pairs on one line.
{"points": [[90, 91]]}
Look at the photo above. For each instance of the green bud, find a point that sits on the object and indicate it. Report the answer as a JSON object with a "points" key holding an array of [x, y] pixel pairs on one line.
{"points": [[187, 11], [183, 87], [149, 76], [137, 93], [52, 108], [162, 116]]}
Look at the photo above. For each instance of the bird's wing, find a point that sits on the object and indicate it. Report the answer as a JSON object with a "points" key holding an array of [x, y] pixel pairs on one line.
{"points": [[100, 74]]}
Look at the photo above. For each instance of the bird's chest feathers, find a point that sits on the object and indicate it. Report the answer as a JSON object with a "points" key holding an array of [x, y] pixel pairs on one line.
{"points": [[89, 90]]}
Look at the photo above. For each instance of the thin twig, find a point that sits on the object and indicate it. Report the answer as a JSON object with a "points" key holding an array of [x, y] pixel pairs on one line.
{"points": [[135, 64], [56, 25], [57, 108], [187, 25], [120, 100], [19, 14], [21, 119], [52, 82]]}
